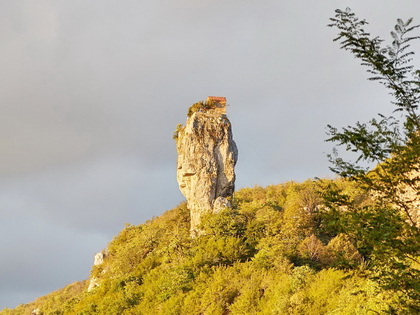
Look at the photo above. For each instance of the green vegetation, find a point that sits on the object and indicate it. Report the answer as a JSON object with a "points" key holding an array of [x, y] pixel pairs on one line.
{"points": [[344, 246], [178, 128], [201, 106], [388, 227], [279, 251]]}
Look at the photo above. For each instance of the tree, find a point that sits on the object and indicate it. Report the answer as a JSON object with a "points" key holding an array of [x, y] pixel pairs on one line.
{"points": [[387, 163]]}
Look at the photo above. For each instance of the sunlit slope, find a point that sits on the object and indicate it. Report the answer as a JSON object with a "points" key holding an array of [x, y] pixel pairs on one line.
{"points": [[279, 251]]}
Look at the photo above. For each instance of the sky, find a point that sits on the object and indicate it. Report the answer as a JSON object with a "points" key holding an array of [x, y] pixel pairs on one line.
{"points": [[91, 92]]}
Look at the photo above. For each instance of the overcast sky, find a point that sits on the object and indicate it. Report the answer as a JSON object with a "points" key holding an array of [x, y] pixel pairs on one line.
{"points": [[91, 91]]}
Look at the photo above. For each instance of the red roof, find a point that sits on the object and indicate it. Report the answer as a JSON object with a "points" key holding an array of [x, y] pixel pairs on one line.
{"points": [[219, 99]]}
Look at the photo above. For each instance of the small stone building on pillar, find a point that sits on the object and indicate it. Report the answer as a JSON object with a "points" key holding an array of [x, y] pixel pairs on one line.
{"points": [[219, 102]]}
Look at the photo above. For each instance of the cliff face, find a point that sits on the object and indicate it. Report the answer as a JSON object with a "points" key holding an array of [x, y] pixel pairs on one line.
{"points": [[207, 156]]}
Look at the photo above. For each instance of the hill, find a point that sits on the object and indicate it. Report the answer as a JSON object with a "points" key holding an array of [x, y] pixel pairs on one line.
{"points": [[280, 250], [344, 246]]}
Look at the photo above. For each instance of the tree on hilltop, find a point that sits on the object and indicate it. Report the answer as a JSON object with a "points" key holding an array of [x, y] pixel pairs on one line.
{"points": [[386, 230]]}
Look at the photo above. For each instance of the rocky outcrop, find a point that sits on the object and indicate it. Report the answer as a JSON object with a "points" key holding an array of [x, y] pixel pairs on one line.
{"points": [[207, 156], [98, 260]]}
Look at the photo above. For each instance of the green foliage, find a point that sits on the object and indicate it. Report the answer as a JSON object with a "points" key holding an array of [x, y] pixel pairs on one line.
{"points": [[344, 246], [178, 128], [268, 255], [386, 230], [201, 106], [58, 302]]}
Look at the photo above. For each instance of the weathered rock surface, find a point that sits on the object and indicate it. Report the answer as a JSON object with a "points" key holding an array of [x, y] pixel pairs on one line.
{"points": [[98, 260], [36, 311], [207, 156]]}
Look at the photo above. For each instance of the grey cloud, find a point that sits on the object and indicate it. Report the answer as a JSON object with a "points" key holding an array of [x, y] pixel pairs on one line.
{"points": [[36, 252], [100, 196], [90, 93]]}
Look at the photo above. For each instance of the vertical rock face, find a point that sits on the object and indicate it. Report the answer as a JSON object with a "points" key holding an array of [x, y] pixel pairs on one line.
{"points": [[207, 156], [98, 260]]}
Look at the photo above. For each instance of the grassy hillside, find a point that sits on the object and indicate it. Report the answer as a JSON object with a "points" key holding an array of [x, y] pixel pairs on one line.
{"points": [[318, 247], [281, 250]]}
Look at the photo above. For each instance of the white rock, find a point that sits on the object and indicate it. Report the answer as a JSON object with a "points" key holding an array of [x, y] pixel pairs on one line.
{"points": [[207, 156], [98, 260]]}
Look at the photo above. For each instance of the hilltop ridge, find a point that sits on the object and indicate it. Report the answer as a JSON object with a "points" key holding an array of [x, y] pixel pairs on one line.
{"points": [[277, 250]]}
